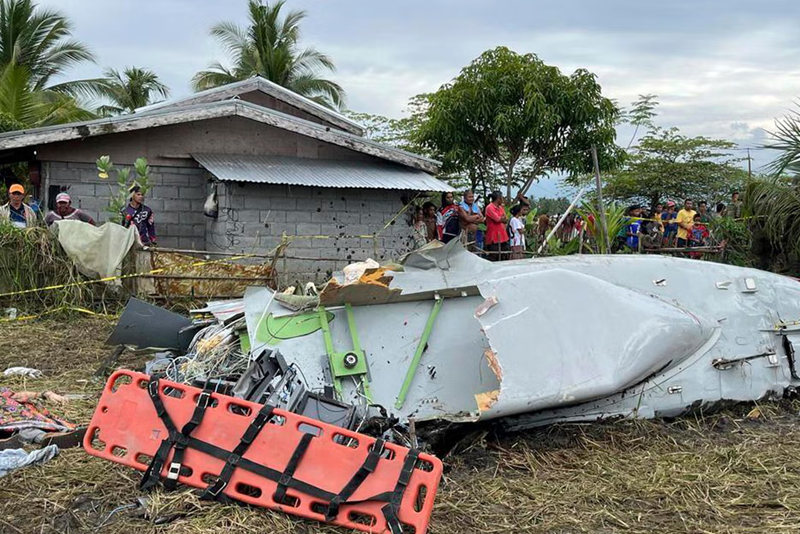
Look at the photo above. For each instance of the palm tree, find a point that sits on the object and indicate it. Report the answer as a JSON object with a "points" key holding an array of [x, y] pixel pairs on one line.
{"points": [[134, 88], [786, 140], [22, 107], [39, 40], [268, 47]]}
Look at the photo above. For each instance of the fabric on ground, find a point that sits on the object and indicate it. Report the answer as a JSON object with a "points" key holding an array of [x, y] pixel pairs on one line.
{"points": [[23, 371], [96, 251], [16, 415], [13, 459]]}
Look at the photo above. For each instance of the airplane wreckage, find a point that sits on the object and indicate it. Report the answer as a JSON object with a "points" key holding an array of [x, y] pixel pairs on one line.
{"points": [[446, 336]]}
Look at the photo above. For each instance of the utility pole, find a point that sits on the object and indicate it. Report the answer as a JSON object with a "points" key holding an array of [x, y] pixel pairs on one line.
{"points": [[749, 164], [601, 206]]}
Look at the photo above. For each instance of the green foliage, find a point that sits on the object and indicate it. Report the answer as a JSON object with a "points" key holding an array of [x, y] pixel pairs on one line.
{"points": [[774, 204], [667, 165], [118, 198], [31, 258], [786, 140], [513, 113], [551, 206], [39, 40], [738, 240], [133, 88], [556, 247], [22, 106], [642, 113], [269, 47], [615, 220]]}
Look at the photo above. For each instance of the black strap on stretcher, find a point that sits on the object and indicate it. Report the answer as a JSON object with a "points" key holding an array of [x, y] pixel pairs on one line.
{"points": [[285, 479]]}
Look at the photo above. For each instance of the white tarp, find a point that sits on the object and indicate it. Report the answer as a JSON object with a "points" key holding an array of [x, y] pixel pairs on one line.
{"points": [[97, 251]]}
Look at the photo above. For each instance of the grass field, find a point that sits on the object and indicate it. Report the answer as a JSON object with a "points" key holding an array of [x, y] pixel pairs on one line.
{"points": [[733, 472]]}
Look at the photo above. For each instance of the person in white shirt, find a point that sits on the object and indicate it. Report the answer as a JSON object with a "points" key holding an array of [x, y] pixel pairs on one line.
{"points": [[517, 231]]}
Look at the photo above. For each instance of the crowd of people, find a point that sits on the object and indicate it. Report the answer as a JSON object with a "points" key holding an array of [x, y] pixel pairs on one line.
{"points": [[488, 231], [666, 227], [20, 214], [498, 234]]}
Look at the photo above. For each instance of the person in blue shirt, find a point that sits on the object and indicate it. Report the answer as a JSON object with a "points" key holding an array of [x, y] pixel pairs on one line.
{"points": [[670, 224], [632, 229]]}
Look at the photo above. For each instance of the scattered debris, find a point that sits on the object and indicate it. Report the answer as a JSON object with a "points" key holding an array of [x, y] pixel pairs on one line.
{"points": [[13, 459], [23, 371]]}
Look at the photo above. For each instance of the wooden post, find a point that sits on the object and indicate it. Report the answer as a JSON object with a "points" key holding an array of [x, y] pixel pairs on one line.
{"points": [[601, 206]]}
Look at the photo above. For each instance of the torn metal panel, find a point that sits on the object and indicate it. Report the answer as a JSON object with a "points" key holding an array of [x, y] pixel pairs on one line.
{"points": [[565, 338], [145, 325]]}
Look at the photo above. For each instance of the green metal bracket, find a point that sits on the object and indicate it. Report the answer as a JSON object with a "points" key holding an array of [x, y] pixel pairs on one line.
{"points": [[343, 364], [412, 369]]}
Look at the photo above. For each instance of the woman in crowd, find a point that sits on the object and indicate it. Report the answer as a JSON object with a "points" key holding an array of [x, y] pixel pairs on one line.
{"points": [[447, 219], [429, 217], [420, 230], [496, 233]]}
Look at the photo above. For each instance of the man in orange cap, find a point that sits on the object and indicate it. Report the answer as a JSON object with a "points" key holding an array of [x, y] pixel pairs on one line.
{"points": [[17, 212]]}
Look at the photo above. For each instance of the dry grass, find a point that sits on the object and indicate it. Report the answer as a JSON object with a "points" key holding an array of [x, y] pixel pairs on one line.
{"points": [[725, 473]]}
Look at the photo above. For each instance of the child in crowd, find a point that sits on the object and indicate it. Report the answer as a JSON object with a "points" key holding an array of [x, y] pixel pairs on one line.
{"points": [[517, 231], [698, 235]]}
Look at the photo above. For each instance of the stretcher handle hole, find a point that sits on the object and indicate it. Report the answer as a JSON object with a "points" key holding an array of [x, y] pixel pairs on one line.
{"points": [[118, 451], [248, 490], [94, 441], [142, 458], [175, 393], [208, 478], [387, 454], [104, 409], [212, 403], [346, 441], [419, 501], [360, 518], [424, 465], [277, 420], [119, 381], [238, 409], [309, 429], [288, 500], [142, 383], [408, 529], [319, 508]]}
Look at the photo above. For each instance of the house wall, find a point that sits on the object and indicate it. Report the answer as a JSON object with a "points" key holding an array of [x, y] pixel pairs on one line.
{"points": [[254, 217], [173, 145], [176, 197]]}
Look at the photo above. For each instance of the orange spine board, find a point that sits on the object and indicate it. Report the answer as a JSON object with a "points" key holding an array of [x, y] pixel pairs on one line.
{"points": [[126, 429]]}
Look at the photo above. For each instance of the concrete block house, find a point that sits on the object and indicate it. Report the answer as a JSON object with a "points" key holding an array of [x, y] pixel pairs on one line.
{"points": [[280, 163]]}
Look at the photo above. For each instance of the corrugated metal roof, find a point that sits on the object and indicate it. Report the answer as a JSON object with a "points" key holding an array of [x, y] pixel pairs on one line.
{"points": [[318, 173]]}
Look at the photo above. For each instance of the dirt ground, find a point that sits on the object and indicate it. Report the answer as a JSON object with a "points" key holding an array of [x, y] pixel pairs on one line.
{"points": [[734, 472]]}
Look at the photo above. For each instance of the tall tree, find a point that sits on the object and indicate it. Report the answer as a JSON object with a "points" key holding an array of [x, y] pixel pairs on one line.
{"points": [[40, 40], [668, 165], [133, 88], [515, 112], [269, 47]]}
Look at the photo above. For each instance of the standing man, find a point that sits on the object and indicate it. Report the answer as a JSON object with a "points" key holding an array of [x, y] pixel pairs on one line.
{"points": [[685, 222], [469, 217], [65, 211], [702, 211], [669, 225], [139, 215], [17, 212], [734, 209]]}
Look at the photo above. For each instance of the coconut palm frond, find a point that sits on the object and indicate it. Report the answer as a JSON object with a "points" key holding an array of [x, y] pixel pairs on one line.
{"points": [[775, 204]]}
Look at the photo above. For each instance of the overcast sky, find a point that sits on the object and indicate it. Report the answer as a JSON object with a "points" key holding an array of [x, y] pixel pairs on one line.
{"points": [[720, 69]]}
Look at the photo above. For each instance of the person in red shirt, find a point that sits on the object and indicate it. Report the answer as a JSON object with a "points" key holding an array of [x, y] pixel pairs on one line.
{"points": [[496, 233]]}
